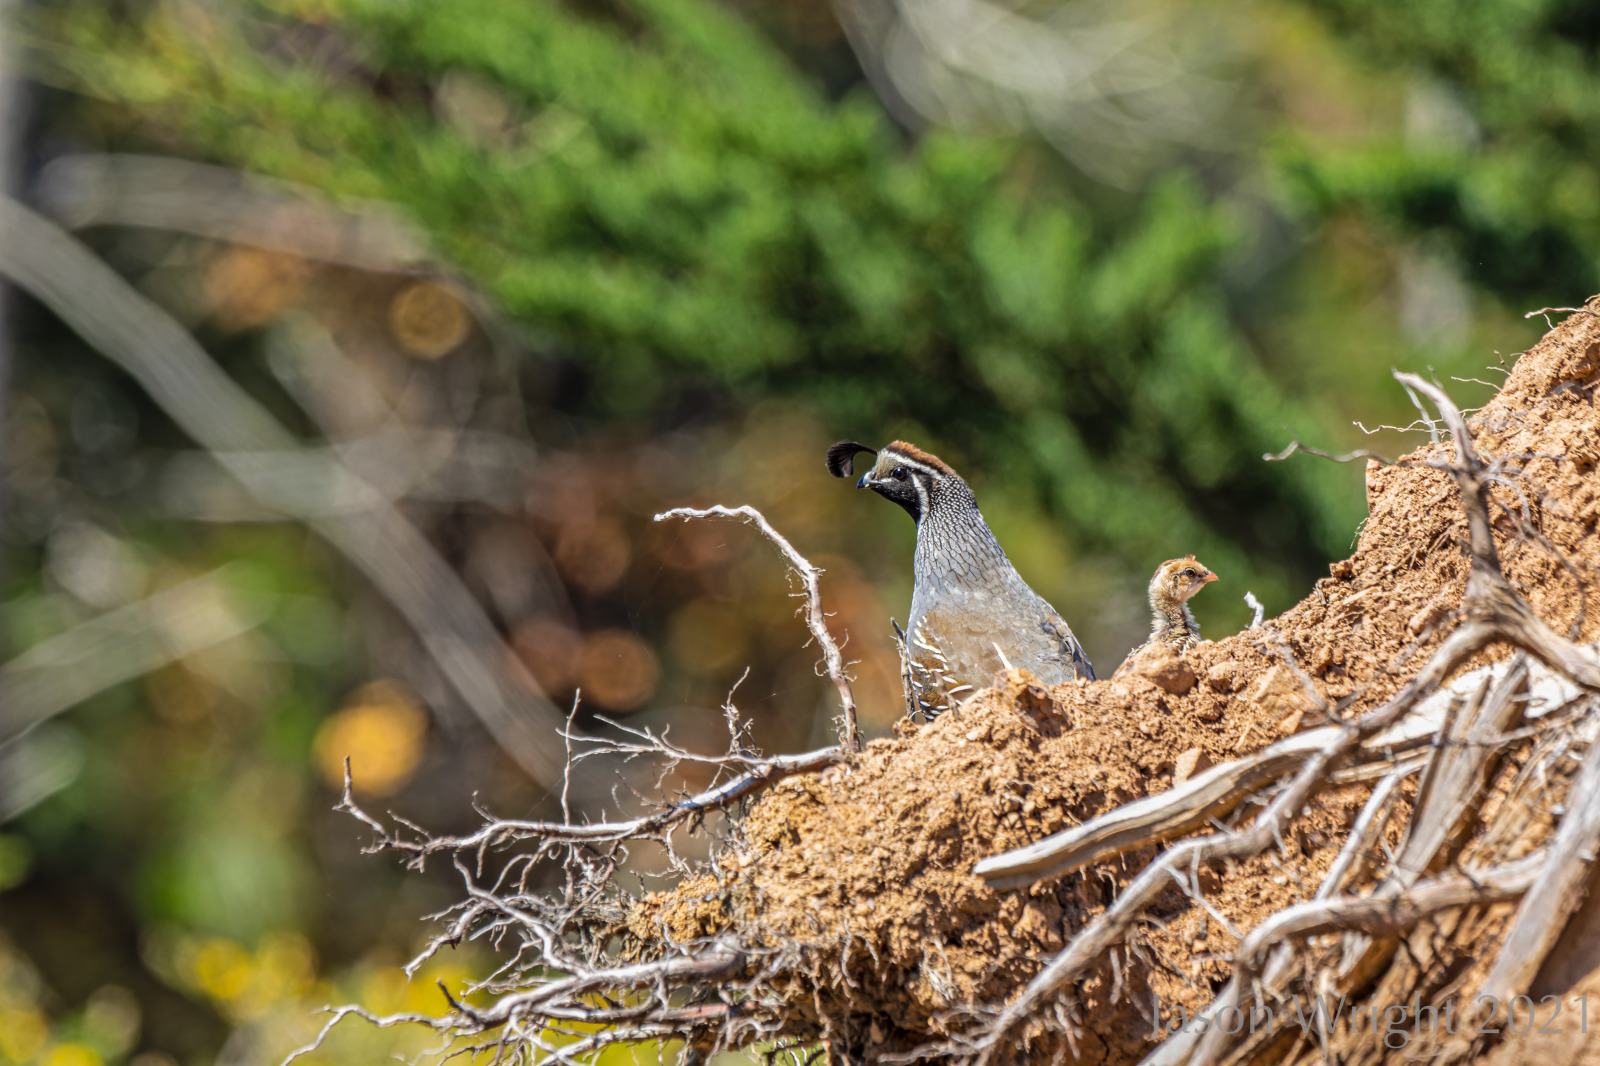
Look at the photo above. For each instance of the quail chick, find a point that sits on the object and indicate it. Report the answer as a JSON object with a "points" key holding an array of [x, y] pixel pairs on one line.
{"points": [[1173, 623], [971, 612]]}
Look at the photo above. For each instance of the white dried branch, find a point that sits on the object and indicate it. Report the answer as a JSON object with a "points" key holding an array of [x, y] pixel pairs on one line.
{"points": [[816, 619], [759, 774], [1365, 829], [159, 192], [1348, 457], [1110, 927], [1463, 761], [1557, 891], [1187, 806], [1255, 606], [1175, 1049], [1371, 915], [563, 999], [131, 641]]}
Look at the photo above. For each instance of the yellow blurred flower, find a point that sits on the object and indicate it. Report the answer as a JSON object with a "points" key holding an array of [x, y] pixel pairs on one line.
{"points": [[381, 730], [287, 967], [22, 1033], [70, 1054], [222, 969]]}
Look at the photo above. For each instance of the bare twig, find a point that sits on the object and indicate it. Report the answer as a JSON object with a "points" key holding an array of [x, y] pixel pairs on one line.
{"points": [[1254, 604], [65, 670], [1348, 457], [1374, 816], [1548, 311], [564, 998], [816, 620], [759, 774], [159, 192], [1112, 924], [1463, 761]]}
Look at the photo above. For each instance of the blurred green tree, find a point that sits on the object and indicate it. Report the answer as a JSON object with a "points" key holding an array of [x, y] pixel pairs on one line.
{"points": [[654, 190]]}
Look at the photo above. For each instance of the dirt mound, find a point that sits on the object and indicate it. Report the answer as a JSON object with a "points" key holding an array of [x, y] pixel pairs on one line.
{"points": [[860, 882]]}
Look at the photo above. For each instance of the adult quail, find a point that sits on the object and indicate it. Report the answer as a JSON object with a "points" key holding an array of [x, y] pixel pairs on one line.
{"points": [[971, 612], [1173, 623]]}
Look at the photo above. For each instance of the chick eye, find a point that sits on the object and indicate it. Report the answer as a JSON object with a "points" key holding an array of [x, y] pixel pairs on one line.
{"points": [[898, 473], [1187, 571]]}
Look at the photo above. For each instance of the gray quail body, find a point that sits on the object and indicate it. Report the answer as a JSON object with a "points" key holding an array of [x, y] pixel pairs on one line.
{"points": [[971, 612]]}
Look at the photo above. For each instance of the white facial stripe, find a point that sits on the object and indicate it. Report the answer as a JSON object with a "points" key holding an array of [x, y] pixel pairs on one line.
{"points": [[922, 492], [902, 460]]}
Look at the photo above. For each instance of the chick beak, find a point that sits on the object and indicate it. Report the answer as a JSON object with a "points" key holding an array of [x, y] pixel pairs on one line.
{"points": [[1210, 577]]}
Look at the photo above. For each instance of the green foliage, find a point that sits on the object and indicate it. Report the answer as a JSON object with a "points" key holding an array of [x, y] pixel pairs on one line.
{"points": [[1500, 157], [674, 206]]}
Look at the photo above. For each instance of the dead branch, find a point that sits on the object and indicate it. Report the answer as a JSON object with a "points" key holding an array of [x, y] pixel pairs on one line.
{"points": [[1178, 810], [158, 192], [1558, 889], [1348, 457], [816, 620], [563, 1000], [1371, 915], [1463, 761], [496, 832], [122, 644], [1113, 924], [1368, 825], [1557, 311]]}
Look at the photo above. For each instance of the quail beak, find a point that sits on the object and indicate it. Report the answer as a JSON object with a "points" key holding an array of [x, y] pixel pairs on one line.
{"points": [[861, 482]]}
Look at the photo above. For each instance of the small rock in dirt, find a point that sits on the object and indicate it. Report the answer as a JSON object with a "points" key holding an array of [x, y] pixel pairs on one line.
{"points": [[1188, 764], [1041, 921], [1281, 694], [1226, 677], [1165, 667]]}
